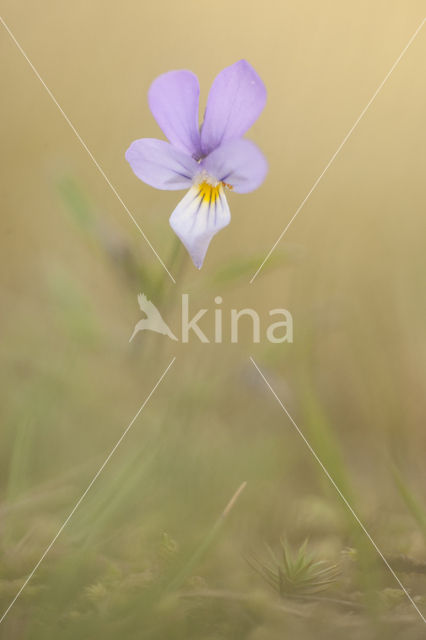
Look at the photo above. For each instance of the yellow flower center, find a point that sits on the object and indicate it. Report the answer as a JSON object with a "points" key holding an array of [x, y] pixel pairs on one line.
{"points": [[210, 192]]}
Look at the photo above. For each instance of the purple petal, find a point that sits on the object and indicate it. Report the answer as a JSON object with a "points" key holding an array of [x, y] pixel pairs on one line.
{"points": [[173, 100], [235, 101], [198, 217], [160, 165], [239, 163]]}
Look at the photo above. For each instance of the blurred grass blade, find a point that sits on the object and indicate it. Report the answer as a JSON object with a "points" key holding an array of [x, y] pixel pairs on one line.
{"points": [[411, 502], [206, 543], [20, 460], [243, 267], [77, 202]]}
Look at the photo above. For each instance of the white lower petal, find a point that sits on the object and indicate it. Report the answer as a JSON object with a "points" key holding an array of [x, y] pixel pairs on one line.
{"points": [[203, 212]]}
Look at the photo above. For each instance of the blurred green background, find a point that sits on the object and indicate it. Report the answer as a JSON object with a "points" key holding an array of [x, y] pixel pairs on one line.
{"points": [[148, 553]]}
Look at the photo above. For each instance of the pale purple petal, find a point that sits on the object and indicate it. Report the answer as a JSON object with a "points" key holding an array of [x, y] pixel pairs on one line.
{"points": [[173, 100], [198, 217], [160, 165], [236, 99], [238, 163]]}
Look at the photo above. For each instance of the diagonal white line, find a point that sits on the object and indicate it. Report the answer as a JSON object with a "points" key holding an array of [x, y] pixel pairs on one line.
{"points": [[86, 148], [339, 148], [299, 431], [92, 482]]}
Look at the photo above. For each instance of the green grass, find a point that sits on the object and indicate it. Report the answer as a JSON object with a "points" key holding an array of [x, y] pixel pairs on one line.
{"points": [[158, 550]]}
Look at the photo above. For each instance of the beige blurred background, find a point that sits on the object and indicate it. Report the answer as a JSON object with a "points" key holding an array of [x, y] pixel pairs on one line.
{"points": [[350, 269], [354, 274]]}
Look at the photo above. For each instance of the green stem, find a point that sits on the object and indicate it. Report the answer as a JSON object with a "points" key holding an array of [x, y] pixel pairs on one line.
{"points": [[206, 543]]}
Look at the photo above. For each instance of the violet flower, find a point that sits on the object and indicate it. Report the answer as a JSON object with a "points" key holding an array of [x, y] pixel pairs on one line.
{"points": [[205, 159]]}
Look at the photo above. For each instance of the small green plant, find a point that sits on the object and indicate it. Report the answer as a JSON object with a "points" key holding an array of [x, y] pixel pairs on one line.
{"points": [[295, 573]]}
